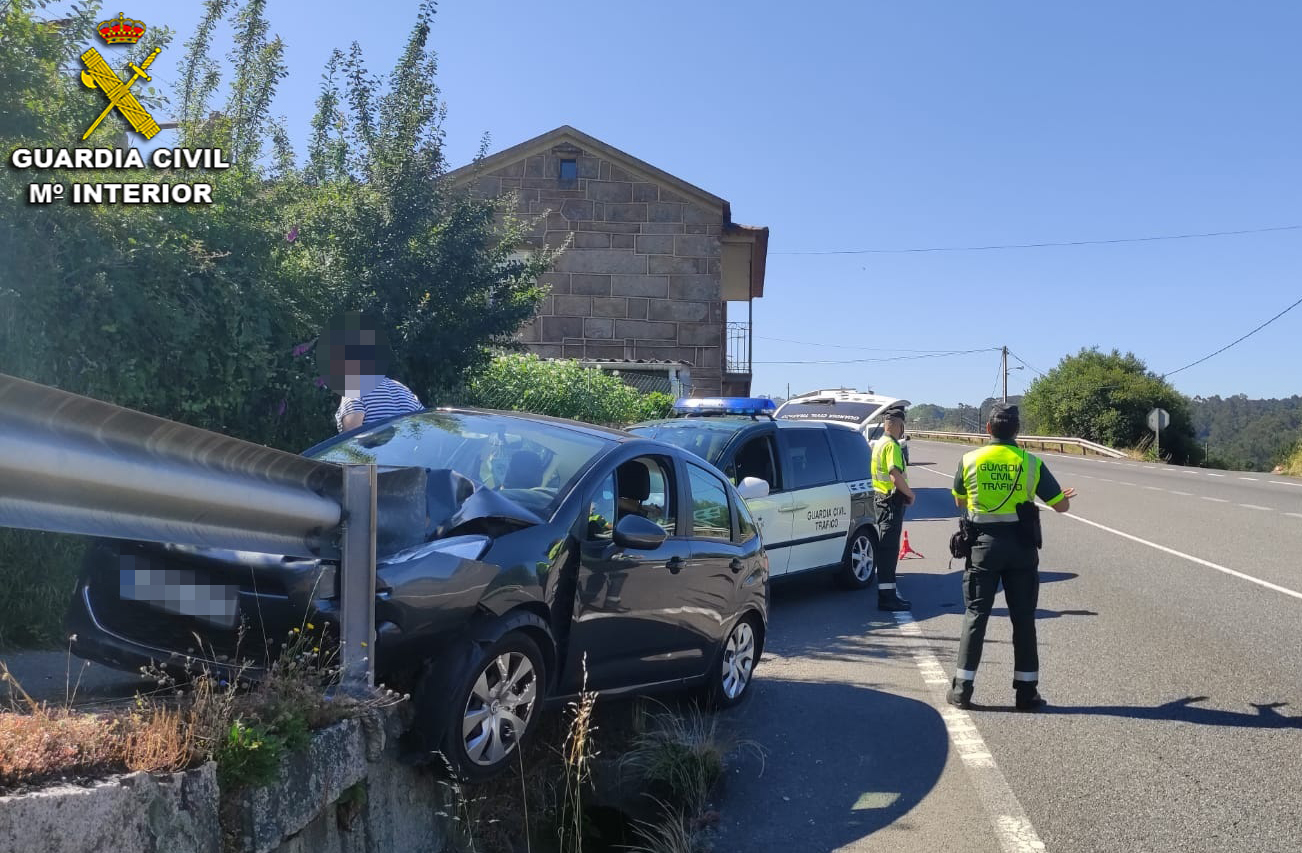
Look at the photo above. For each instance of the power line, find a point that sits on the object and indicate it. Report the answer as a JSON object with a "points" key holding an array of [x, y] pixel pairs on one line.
{"points": [[1025, 364], [943, 354], [1150, 239], [1239, 340], [848, 346]]}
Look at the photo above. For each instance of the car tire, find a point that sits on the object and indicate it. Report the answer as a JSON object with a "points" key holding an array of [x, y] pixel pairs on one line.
{"points": [[733, 673], [859, 566], [480, 703]]}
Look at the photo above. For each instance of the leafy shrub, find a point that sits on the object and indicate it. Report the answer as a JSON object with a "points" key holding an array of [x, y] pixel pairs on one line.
{"points": [[523, 382], [250, 755]]}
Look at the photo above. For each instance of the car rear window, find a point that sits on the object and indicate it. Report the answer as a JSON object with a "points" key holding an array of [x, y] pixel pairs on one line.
{"points": [[854, 460], [808, 458]]}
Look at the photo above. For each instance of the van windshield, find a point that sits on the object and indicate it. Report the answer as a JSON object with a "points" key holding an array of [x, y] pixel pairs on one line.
{"points": [[842, 411]]}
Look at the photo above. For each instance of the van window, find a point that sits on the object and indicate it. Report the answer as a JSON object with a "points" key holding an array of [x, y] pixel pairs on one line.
{"points": [[807, 458], [853, 458]]}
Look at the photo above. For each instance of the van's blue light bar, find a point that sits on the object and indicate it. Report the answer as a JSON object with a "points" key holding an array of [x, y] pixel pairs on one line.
{"points": [[725, 406]]}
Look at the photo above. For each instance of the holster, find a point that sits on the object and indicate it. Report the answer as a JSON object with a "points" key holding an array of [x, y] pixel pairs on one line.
{"points": [[1028, 524], [960, 544]]}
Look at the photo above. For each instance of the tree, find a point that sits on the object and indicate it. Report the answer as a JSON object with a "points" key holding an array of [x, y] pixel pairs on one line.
{"points": [[1106, 397], [561, 388]]}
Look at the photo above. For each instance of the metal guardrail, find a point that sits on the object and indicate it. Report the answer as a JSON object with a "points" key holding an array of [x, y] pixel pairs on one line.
{"points": [[1044, 441], [72, 464]]}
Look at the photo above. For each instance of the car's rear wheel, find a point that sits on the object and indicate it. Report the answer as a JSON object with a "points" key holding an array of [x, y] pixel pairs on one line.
{"points": [[858, 566], [734, 672], [493, 707]]}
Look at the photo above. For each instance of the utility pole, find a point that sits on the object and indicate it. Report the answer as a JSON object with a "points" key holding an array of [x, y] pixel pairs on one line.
{"points": [[1004, 352]]}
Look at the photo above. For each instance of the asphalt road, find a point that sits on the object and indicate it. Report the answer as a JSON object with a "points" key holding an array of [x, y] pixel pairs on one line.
{"points": [[1173, 668]]}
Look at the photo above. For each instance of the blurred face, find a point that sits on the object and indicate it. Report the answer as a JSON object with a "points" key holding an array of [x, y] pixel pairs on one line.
{"points": [[353, 356], [894, 427]]}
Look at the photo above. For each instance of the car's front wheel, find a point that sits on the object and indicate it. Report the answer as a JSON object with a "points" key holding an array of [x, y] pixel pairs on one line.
{"points": [[858, 566], [734, 673], [494, 707]]}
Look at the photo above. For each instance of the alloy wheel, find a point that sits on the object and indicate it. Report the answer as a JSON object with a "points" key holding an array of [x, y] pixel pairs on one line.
{"points": [[861, 558], [501, 705], [738, 659]]}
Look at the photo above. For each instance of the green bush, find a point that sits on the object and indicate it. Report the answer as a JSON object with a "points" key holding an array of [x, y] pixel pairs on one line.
{"points": [[249, 756], [522, 382]]}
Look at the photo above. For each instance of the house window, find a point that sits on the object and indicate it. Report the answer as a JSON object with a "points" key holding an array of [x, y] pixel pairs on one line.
{"points": [[569, 171]]}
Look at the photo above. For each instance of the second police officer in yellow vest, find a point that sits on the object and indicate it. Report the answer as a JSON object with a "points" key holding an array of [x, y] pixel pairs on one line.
{"points": [[991, 484], [892, 492]]}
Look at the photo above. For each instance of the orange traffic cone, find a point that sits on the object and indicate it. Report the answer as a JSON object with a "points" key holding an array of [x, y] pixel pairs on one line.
{"points": [[906, 550]]}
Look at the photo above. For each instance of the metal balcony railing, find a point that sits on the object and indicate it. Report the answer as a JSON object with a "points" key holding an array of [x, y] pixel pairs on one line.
{"points": [[737, 352]]}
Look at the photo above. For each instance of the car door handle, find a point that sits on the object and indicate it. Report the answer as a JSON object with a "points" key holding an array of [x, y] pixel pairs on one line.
{"points": [[675, 565], [737, 565], [796, 508]]}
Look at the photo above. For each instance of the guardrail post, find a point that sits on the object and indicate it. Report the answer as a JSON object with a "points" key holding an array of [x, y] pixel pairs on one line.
{"points": [[357, 579]]}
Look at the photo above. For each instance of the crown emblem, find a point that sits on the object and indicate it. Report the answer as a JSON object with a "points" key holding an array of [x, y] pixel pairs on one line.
{"points": [[121, 31]]}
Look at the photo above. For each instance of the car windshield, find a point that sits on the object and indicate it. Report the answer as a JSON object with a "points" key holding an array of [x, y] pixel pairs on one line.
{"points": [[828, 410], [530, 462], [706, 437]]}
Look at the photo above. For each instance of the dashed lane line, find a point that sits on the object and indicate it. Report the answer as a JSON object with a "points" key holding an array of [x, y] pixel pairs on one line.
{"points": [[1155, 488], [1185, 494], [1254, 506], [1210, 474], [1253, 479], [1013, 828], [1215, 500], [1294, 514], [1286, 483]]}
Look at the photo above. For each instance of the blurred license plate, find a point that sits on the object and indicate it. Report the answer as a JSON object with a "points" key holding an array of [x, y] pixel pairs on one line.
{"points": [[181, 592]]}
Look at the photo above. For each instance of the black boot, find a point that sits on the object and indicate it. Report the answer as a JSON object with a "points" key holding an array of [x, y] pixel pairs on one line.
{"points": [[891, 602], [1028, 697], [960, 694]]}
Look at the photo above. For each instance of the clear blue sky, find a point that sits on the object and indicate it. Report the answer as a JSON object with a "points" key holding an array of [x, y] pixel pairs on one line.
{"points": [[895, 125]]}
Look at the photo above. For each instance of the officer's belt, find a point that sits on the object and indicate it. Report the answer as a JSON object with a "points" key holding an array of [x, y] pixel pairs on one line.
{"points": [[992, 518]]}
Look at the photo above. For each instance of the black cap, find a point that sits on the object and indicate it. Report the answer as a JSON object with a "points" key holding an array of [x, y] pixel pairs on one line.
{"points": [[1004, 413], [893, 414]]}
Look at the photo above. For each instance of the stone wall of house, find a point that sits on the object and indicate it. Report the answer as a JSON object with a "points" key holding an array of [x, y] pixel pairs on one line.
{"points": [[641, 276]]}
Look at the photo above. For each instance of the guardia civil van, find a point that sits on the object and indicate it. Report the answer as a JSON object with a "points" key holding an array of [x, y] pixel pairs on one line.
{"points": [[864, 411], [808, 484]]}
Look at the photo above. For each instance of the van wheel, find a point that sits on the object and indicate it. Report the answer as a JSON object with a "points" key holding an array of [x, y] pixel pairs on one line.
{"points": [[858, 568]]}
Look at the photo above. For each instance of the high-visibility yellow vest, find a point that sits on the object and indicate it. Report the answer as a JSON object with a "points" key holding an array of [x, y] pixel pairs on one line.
{"points": [[886, 455], [998, 477]]}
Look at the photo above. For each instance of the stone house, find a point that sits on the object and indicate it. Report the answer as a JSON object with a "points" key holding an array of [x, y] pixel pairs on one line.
{"points": [[657, 280]]}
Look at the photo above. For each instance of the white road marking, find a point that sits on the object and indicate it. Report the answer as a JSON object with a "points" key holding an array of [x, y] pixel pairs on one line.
{"points": [[1217, 500], [1294, 514], [1185, 494], [1187, 471], [1286, 483], [1105, 480], [1254, 506], [1155, 488], [1210, 474], [1013, 828], [1253, 479], [1231, 572], [1124, 483]]}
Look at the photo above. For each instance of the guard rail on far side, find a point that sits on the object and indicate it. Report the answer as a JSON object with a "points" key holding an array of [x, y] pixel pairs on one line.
{"points": [[1043, 442]]}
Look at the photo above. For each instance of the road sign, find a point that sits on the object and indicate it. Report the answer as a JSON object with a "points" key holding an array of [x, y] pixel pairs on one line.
{"points": [[1159, 419]]}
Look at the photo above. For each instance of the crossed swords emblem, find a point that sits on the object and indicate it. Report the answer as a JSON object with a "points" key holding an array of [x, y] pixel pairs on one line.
{"points": [[98, 75]]}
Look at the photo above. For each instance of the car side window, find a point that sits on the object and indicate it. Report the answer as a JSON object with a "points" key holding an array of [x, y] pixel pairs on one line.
{"points": [[710, 516], [807, 458], [755, 458], [601, 512], [853, 458], [644, 487]]}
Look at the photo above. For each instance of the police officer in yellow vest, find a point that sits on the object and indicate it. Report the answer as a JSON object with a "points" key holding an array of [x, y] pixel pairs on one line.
{"points": [[892, 492], [991, 484]]}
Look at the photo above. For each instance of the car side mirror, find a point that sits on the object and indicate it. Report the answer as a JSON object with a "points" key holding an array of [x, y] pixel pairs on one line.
{"points": [[638, 533], [753, 487]]}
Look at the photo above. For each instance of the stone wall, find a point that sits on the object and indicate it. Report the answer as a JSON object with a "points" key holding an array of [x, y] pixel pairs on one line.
{"points": [[641, 278], [346, 793]]}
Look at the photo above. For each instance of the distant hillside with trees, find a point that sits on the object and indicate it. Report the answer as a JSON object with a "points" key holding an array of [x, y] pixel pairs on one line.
{"points": [[1249, 435]]}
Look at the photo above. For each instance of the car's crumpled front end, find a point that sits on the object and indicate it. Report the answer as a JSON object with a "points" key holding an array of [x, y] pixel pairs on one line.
{"points": [[188, 608]]}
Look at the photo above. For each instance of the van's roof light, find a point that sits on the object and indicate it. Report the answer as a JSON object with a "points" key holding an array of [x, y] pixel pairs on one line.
{"points": [[703, 406]]}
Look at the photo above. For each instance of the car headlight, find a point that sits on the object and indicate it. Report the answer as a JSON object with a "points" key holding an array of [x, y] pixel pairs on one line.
{"points": [[465, 547]]}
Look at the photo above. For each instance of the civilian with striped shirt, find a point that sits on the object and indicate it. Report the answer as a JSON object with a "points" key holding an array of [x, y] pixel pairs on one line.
{"points": [[385, 398]]}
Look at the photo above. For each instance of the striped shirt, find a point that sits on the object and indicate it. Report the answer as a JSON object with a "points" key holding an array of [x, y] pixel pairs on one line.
{"points": [[389, 397]]}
